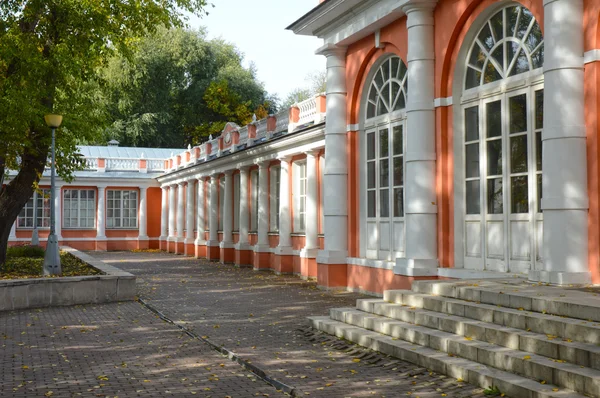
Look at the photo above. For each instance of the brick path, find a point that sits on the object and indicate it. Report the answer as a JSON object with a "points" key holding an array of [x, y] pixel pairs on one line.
{"points": [[261, 317]]}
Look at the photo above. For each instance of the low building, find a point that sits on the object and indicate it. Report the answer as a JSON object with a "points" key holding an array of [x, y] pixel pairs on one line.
{"points": [[459, 139]]}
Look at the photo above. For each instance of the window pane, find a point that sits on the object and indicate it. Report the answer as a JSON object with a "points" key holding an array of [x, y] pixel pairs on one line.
{"points": [[538, 151], [371, 204], [472, 160], [494, 196], [371, 175], [398, 171], [397, 140], [371, 146], [539, 109], [473, 78], [520, 196], [518, 113], [518, 154], [383, 143], [398, 202], [384, 203], [384, 173], [473, 199], [494, 157], [472, 123], [494, 119]]}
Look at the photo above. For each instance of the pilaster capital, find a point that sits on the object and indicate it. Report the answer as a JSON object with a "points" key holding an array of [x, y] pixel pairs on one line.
{"points": [[419, 5], [143, 189], [164, 187], [244, 168], [200, 178], [101, 188], [312, 153], [419, 12], [181, 184], [228, 173], [262, 164], [214, 177], [331, 50], [285, 159]]}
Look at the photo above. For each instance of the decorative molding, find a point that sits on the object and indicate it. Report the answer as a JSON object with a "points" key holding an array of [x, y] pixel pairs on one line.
{"points": [[591, 56], [352, 127], [439, 102]]}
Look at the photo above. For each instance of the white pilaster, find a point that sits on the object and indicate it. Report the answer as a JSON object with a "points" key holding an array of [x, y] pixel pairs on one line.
{"points": [[189, 212], [243, 241], [200, 223], [57, 212], [228, 212], [420, 209], [172, 213], [285, 220], [101, 214], [143, 221], [164, 213], [312, 223], [12, 235], [180, 211], [213, 223], [336, 163], [263, 207], [564, 191]]}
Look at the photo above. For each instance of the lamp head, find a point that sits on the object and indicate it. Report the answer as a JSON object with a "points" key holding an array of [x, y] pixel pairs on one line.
{"points": [[53, 121]]}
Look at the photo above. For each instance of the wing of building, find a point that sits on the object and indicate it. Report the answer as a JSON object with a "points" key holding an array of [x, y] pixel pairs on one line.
{"points": [[457, 139]]}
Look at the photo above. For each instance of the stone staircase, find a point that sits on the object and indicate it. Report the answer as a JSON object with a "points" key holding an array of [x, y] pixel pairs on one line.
{"points": [[529, 341]]}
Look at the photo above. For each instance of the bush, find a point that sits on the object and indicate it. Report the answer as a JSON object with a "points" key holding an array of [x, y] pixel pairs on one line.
{"points": [[25, 251]]}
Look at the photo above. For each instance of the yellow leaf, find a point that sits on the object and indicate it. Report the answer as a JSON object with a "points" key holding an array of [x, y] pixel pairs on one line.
{"points": [[526, 357], [468, 338], [555, 389], [356, 360], [49, 394], [543, 382], [25, 367]]}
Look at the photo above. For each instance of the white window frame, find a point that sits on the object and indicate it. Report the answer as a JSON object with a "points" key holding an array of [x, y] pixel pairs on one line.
{"points": [[254, 200], [26, 217], [80, 205], [299, 195], [274, 199], [119, 205], [236, 202]]}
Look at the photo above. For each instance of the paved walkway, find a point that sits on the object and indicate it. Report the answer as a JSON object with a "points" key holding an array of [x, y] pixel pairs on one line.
{"points": [[125, 350]]}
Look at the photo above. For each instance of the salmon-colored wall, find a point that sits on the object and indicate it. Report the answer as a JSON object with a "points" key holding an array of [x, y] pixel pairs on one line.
{"points": [[298, 242], [78, 233], [377, 280], [122, 233], [592, 107], [153, 211], [273, 240]]}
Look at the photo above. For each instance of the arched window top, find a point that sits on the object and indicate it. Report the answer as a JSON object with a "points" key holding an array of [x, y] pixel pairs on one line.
{"points": [[509, 43], [388, 89]]}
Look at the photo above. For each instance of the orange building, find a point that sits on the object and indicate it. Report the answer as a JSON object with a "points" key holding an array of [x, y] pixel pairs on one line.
{"points": [[457, 139]]}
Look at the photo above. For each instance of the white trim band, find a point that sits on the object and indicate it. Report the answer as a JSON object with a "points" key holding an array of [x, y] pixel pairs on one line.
{"points": [[439, 102], [591, 56]]}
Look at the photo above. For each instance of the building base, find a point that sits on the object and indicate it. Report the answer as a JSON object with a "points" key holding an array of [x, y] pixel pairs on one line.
{"points": [[561, 278]]}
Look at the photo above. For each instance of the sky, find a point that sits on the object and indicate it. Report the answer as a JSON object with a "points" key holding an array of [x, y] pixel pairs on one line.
{"points": [[257, 28]]}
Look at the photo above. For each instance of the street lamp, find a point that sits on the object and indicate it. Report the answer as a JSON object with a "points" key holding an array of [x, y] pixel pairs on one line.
{"points": [[52, 256]]}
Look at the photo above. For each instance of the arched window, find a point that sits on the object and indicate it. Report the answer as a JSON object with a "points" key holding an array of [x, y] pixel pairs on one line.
{"points": [[388, 89], [501, 133], [383, 161], [508, 44]]}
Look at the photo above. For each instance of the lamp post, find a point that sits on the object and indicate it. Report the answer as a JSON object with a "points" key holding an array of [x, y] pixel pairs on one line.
{"points": [[52, 256]]}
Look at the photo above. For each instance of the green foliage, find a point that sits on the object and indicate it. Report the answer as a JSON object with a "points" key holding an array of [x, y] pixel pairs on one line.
{"points": [[177, 88], [492, 391], [32, 267], [316, 83], [25, 251], [50, 53]]}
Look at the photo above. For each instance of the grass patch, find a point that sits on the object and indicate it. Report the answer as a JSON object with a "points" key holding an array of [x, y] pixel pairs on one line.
{"points": [[32, 267], [25, 251]]}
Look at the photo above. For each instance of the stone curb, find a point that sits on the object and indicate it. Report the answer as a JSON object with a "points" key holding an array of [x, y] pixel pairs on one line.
{"points": [[261, 374], [113, 285]]}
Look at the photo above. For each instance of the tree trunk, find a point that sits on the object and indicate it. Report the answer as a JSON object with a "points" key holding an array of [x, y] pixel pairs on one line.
{"points": [[17, 192]]}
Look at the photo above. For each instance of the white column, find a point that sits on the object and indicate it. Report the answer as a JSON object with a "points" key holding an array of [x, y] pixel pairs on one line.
{"points": [[214, 212], [101, 214], [285, 221], [312, 223], [57, 213], [200, 213], [263, 207], [243, 241], [228, 212], [172, 213], [189, 212], [13, 231], [420, 209], [143, 222], [564, 191], [336, 163], [164, 214], [180, 212]]}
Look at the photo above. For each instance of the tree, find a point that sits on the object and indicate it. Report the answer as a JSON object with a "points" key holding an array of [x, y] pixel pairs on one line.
{"points": [[50, 53], [316, 84], [178, 88]]}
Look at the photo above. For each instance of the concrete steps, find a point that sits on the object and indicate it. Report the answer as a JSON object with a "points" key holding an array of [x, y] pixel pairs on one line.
{"points": [[484, 332]]}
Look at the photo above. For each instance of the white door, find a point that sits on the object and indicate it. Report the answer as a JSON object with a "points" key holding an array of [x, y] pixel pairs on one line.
{"points": [[502, 164]]}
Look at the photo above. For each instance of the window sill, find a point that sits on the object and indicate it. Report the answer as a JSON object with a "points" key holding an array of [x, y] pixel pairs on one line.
{"points": [[122, 229], [298, 234], [31, 228], [273, 233]]}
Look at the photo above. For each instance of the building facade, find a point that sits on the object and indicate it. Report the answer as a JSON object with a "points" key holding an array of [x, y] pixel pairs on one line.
{"points": [[457, 139]]}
